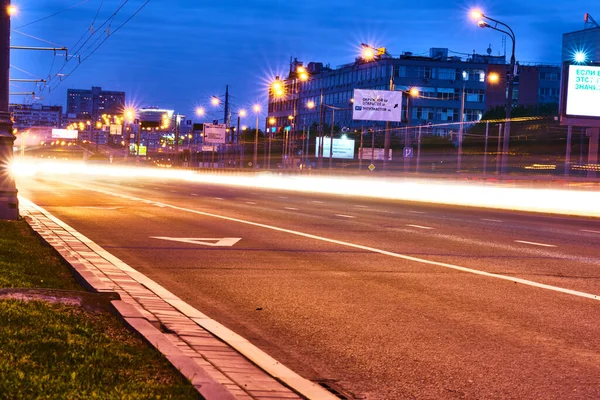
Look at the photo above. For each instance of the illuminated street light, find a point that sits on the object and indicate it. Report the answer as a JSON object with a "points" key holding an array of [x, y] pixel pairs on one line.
{"points": [[277, 89], [511, 77], [493, 77], [215, 101], [200, 111], [256, 108], [242, 113], [272, 121], [414, 92], [11, 10], [580, 57], [310, 104], [367, 53]]}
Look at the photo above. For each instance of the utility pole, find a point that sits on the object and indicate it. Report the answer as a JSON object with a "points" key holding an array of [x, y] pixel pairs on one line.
{"points": [[387, 139], [9, 205]]}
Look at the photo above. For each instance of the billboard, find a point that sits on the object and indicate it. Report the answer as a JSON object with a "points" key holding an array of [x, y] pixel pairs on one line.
{"points": [[116, 129], [64, 134], [215, 133], [368, 152], [342, 148], [377, 105], [580, 95]]}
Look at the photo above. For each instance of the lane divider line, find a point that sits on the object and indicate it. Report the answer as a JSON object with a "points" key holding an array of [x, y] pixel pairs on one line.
{"points": [[491, 220], [371, 249], [535, 243], [419, 226], [344, 216], [291, 208], [589, 231]]}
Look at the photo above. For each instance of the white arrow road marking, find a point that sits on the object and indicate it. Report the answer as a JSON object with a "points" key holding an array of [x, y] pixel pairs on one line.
{"points": [[220, 242]]}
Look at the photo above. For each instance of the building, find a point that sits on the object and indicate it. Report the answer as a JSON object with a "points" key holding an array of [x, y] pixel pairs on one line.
{"points": [[91, 104], [441, 81], [36, 115]]}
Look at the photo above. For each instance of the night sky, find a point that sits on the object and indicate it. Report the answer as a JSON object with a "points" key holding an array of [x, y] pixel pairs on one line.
{"points": [[177, 53]]}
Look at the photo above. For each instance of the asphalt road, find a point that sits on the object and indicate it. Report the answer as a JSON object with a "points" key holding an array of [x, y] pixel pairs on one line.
{"points": [[388, 299]]}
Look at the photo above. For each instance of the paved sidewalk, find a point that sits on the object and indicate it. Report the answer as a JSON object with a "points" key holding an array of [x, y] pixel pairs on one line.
{"points": [[220, 364]]}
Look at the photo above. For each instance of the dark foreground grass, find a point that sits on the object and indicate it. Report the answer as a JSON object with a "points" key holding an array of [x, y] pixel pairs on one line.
{"points": [[51, 351], [55, 351], [26, 263]]}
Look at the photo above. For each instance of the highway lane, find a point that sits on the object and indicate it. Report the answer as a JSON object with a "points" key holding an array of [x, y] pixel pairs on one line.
{"points": [[381, 326]]}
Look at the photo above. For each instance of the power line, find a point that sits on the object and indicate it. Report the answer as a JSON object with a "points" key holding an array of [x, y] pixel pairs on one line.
{"points": [[52, 15], [36, 38], [105, 39], [75, 50]]}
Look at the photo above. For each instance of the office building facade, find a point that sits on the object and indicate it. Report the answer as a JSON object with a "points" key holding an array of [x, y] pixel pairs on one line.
{"points": [[36, 116], [441, 81], [92, 104]]}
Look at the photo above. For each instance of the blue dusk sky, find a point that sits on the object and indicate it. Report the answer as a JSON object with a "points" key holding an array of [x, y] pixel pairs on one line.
{"points": [[177, 53]]}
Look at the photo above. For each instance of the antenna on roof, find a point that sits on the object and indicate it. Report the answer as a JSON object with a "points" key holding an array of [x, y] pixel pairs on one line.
{"points": [[589, 22]]}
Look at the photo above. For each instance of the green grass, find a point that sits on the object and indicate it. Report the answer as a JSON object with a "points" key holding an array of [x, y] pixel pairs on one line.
{"points": [[54, 351], [50, 351], [26, 263]]}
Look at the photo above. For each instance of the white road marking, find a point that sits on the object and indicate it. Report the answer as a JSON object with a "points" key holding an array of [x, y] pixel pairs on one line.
{"points": [[142, 186], [344, 216], [219, 198], [155, 188], [419, 226], [535, 244], [291, 208], [589, 231], [250, 202], [490, 220], [373, 249], [172, 191], [194, 194], [317, 201], [361, 206], [218, 242], [99, 207], [417, 212], [282, 197]]}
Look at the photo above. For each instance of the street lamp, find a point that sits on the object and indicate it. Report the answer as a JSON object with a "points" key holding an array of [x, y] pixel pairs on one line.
{"points": [[256, 109], [11, 10], [367, 52], [462, 122], [478, 15]]}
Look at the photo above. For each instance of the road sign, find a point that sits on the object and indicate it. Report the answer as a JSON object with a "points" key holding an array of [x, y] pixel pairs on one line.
{"points": [[215, 133], [366, 153], [371, 167], [212, 242], [215, 122], [377, 105], [408, 152], [208, 148]]}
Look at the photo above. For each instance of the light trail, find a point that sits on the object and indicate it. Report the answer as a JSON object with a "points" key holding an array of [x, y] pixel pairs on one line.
{"points": [[542, 200]]}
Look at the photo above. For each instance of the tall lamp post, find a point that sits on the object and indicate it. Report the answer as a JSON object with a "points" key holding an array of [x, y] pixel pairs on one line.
{"points": [[511, 77], [461, 128], [9, 205], [256, 109]]}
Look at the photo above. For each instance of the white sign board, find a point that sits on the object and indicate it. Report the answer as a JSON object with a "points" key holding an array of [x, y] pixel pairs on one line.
{"points": [[116, 129], [64, 134], [342, 148], [583, 91], [377, 154], [377, 105], [208, 148], [215, 133]]}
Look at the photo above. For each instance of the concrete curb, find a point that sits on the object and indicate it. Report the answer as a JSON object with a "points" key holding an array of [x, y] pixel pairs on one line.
{"points": [[86, 257]]}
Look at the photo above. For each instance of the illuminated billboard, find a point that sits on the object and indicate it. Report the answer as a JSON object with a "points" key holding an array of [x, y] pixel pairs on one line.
{"points": [[64, 134], [342, 148], [580, 95], [377, 105]]}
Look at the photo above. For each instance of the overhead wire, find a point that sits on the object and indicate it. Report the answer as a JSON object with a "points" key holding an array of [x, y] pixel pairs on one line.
{"points": [[52, 15], [105, 39], [82, 56]]}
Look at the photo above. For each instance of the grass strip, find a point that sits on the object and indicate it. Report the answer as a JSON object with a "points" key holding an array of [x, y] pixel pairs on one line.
{"points": [[26, 263], [57, 351]]}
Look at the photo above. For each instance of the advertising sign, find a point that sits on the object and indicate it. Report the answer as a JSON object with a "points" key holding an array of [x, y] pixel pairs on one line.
{"points": [[342, 148], [367, 152], [64, 134], [208, 148], [377, 105], [115, 129], [215, 133], [583, 91]]}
